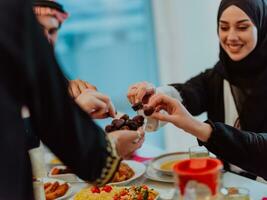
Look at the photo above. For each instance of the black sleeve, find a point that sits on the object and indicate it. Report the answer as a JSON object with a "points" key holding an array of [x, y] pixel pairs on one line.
{"points": [[247, 150], [30, 72], [194, 92]]}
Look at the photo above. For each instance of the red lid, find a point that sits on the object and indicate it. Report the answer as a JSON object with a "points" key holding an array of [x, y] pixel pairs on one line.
{"points": [[197, 166]]}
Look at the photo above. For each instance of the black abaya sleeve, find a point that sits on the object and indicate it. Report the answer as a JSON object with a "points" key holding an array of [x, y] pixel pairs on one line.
{"points": [[29, 71], [242, 148]]}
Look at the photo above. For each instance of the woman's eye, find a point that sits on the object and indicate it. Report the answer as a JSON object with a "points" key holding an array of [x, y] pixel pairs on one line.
{"points": [[242, 28], [224, 28]]}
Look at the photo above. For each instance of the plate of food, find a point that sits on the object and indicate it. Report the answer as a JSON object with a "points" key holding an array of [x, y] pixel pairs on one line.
{"points": [[62, 172], [165, 162], [109, 192], [154, 175], [56, 189], [128, 171]]}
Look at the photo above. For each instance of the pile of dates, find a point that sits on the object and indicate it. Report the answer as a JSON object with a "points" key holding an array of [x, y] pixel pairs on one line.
{"points": [[125, 123]]}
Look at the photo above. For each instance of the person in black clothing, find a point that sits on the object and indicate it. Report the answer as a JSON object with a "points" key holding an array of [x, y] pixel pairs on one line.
{"points": [[30, 75], [51, 15], [234, 91], [245, 149]]}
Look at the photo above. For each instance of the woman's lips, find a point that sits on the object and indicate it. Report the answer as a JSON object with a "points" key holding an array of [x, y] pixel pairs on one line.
{"points": [[234, 48]]}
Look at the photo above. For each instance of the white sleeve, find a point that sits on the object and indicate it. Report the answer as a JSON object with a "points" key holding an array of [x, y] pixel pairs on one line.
{"points": [[154, 124], [170, 91]]}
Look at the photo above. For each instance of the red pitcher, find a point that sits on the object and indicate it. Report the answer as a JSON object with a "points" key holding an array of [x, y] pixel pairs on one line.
{"points": [[202, 170]]}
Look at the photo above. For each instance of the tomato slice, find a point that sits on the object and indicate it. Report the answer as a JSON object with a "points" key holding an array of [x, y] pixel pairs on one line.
{"points": [[107, 188], [95, 189]]}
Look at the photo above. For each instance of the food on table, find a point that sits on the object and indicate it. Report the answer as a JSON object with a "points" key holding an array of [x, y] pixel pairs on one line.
{"points": [[117, 193], [55, 190], [125, 123], [136, 192], [232, 190], [124, 173], [168, 165], [55, 161], [57, 170]]}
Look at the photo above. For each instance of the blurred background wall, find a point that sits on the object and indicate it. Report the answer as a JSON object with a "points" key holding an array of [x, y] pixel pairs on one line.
{"points": [[187, 43], [115, 43]]}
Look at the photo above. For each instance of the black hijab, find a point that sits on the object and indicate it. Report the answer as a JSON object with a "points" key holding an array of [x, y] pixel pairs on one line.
{"points": [[249, 73]]}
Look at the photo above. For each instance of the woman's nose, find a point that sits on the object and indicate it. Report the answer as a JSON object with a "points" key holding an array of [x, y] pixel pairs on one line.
{"points": [[232, 35]]}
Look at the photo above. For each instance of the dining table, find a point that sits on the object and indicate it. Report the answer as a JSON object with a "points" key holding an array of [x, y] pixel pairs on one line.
{"points": [[257, 190], [168, 191]]}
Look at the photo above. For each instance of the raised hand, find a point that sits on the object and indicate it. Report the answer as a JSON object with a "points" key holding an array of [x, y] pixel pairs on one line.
{"points": [[177, 114], [96, 104], [76, 87], [127, 142], [140, 92]]}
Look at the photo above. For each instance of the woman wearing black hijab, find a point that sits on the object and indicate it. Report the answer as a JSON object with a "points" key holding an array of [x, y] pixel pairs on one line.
{"points": [[234, 91], [30, 75]]}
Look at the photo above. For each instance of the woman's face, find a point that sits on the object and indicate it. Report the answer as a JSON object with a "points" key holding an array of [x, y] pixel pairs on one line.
{"points": [[237, 33]]}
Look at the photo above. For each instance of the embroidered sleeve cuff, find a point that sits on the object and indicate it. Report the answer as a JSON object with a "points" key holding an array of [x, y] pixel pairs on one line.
{"points": [[112, 163]]}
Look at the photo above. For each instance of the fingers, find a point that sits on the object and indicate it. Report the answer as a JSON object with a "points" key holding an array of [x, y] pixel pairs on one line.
{"points": [[98, 107], [90, 86], [100, 96], [161, 116], [74, 90], [162, 100], [140, 135], [128, 141], [81, 85], [138, 91], [96, 104], [110, 109], [131, 94], [91, 105], [76, 87]]}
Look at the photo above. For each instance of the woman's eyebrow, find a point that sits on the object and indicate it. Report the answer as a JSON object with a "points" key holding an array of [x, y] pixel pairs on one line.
{"points": [[238, 22]]}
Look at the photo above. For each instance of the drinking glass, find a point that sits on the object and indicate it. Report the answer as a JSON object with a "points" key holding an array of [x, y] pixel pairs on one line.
{"points": [[198, 152]]}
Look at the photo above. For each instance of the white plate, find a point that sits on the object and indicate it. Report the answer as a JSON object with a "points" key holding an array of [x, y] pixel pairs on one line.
{"points": [[138, 168], [154, 175], [68, 177], [52, 180], [157, 162]]}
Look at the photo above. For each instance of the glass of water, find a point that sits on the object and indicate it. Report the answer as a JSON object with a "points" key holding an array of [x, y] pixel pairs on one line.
{"points": [[198, 152]]}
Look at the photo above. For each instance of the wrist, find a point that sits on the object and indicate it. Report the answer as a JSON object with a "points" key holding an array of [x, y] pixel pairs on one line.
{"points": [[200, 130]]}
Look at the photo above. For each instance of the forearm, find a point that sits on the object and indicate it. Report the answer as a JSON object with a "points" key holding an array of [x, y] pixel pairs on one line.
{"points": [[244, 149], [199, 129]]}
